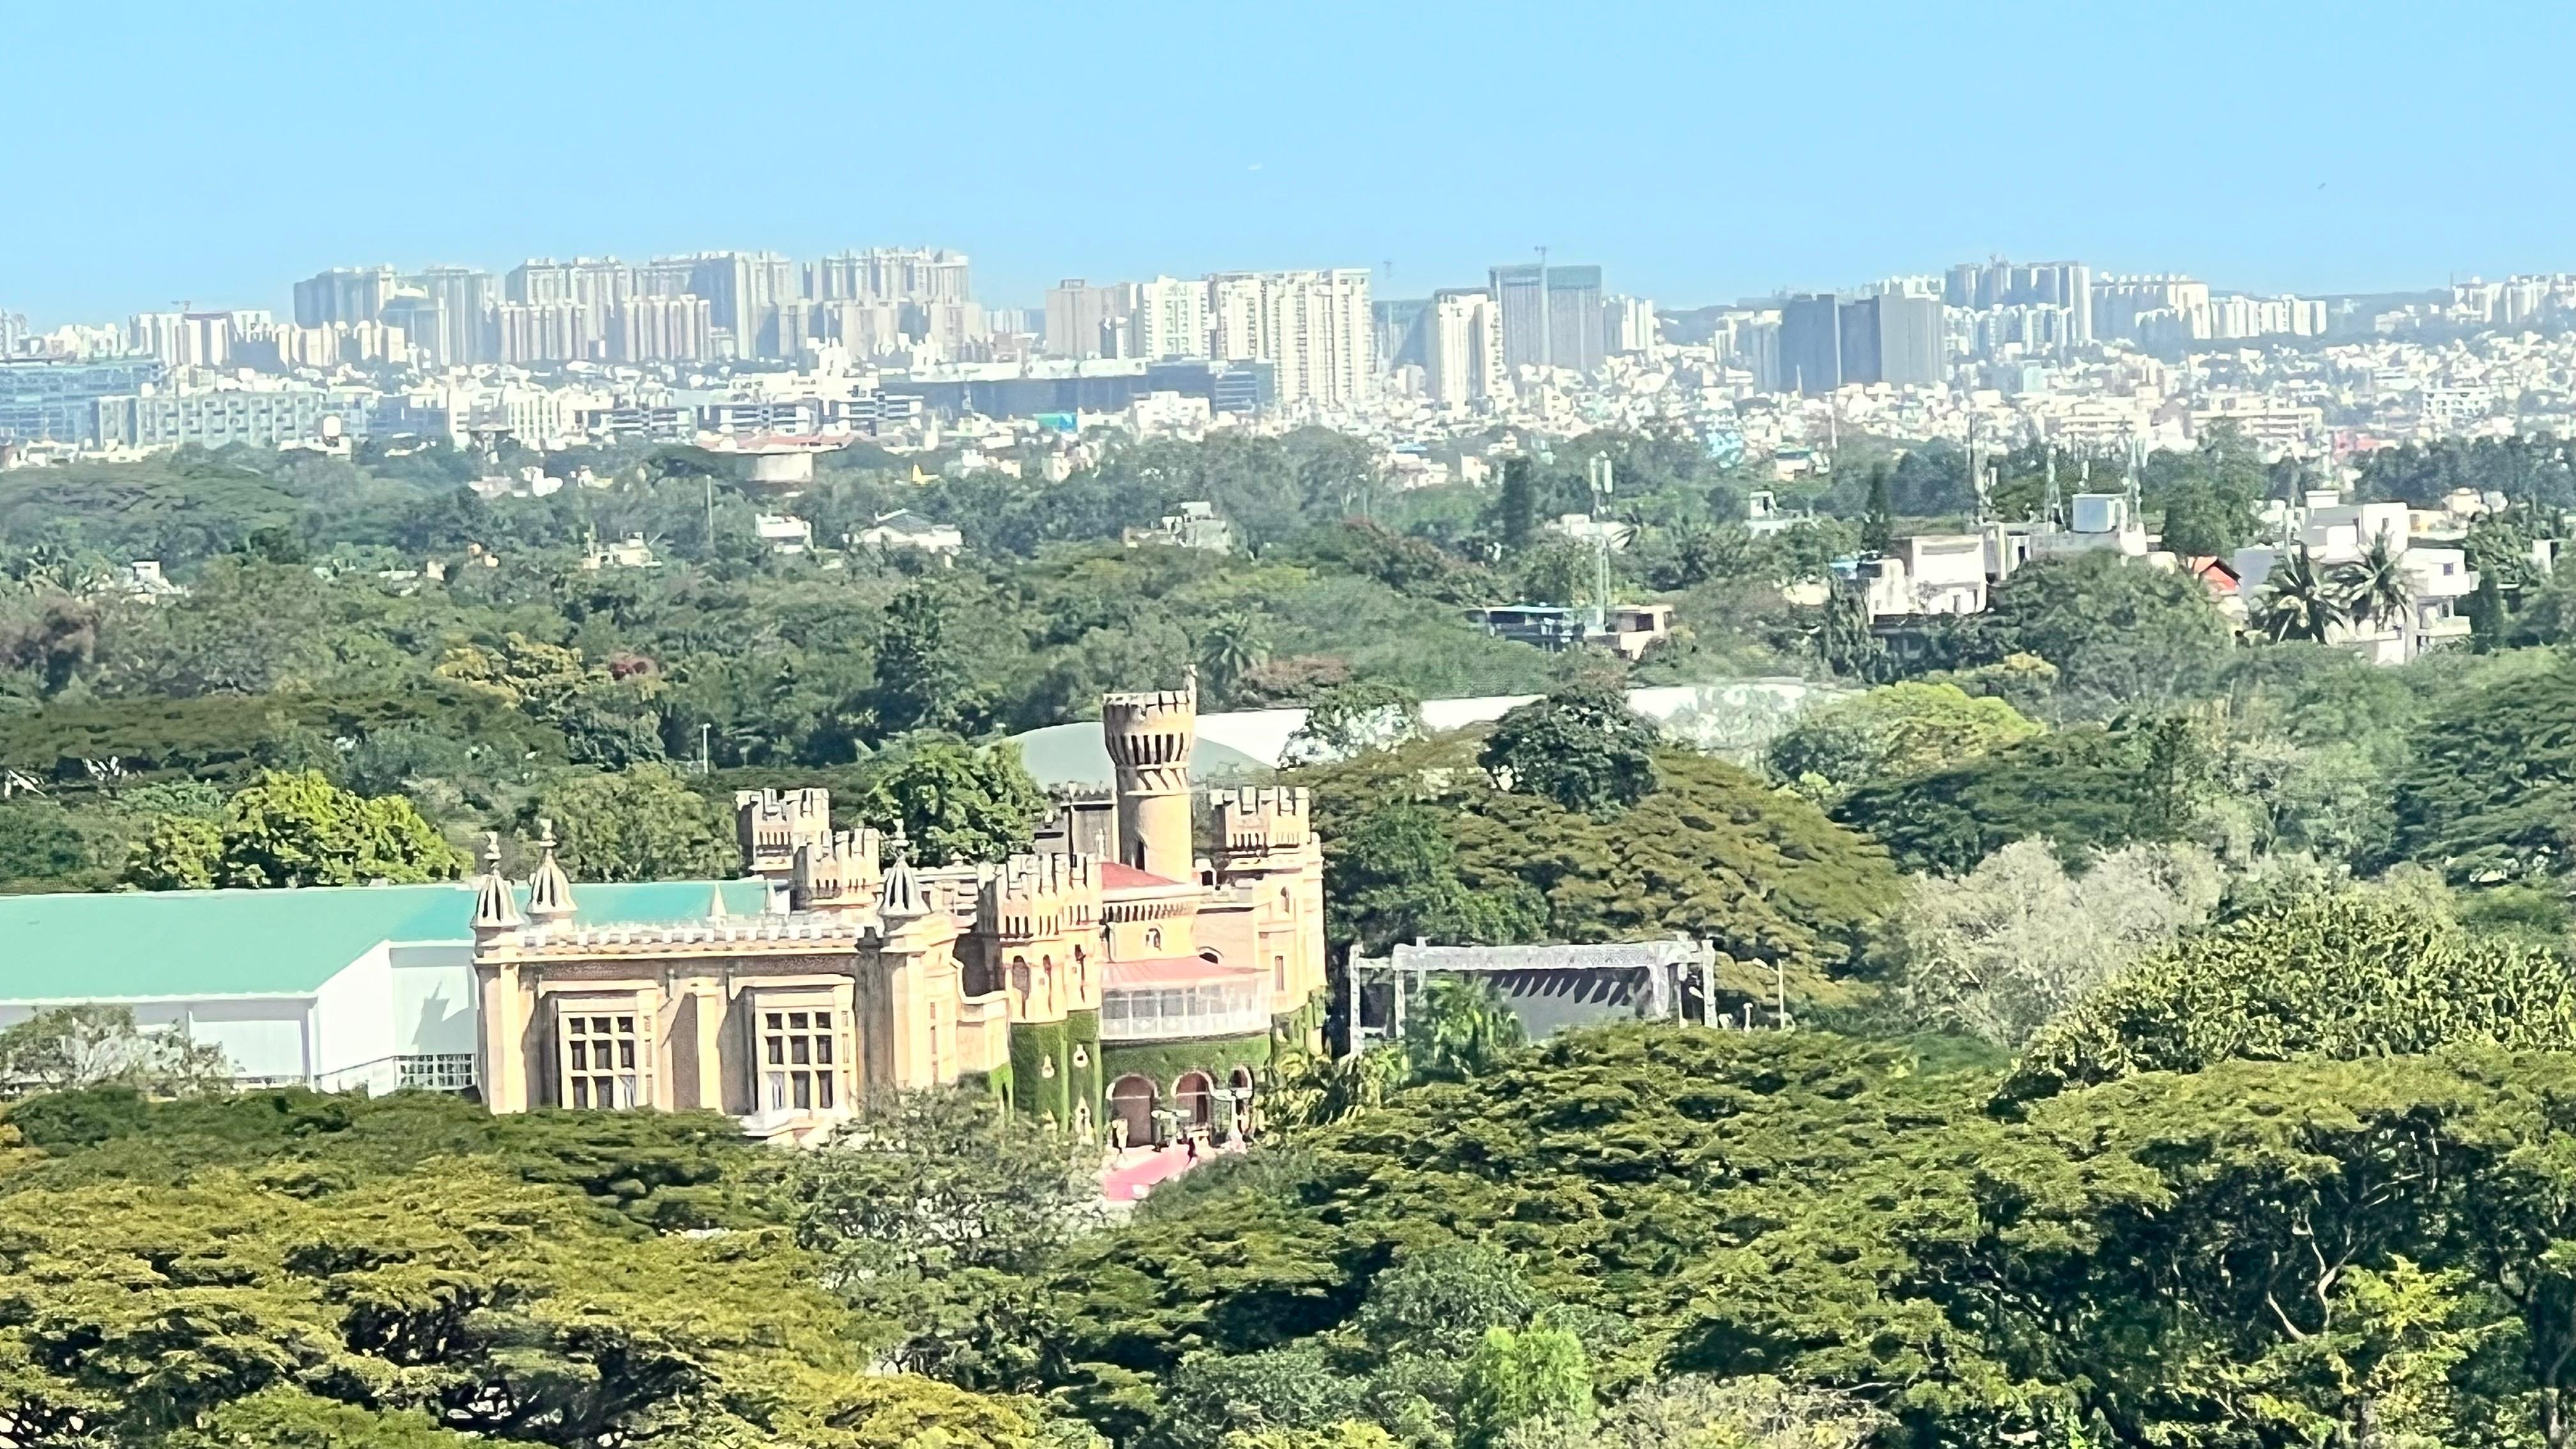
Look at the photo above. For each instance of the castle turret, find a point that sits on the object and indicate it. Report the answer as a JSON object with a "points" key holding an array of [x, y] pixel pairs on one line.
{"points": [[837, 872], [773, 825], [1149, 738], [1261, 828]]}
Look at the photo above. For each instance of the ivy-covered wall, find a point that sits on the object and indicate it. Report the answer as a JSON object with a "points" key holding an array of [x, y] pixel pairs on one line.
{"points": [[1298, 1031], [1081, 1068], [1038, 1057], [997, 1081], [1167, 1062], [1055, 1068]]}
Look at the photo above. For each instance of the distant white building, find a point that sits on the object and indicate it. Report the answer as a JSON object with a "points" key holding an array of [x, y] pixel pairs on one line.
{"points": [[1195, 526], [2335, 533], [906, 531], [784, 532]]}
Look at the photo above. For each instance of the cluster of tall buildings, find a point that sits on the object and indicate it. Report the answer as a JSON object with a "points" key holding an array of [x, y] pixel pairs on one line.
{"points": [[704, 306], [1313, 328], [1475, 344], [1823, 342]]}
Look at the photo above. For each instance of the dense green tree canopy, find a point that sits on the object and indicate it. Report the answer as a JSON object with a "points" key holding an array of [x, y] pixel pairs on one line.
{"points": [[293, 830], [325, 1271], [1418, 843], [2081, 788], [2118, 634], [1889, 732], [2351, 974], [637, 824], [953, 801], [1580, 746], [2491, 790], [1806, 1216]]}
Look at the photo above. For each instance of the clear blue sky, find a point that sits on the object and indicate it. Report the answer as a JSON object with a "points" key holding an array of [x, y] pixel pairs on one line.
{"points": [[1698, 151]]}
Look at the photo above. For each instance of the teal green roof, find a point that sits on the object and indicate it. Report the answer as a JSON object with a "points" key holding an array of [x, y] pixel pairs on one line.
{"points": [[273, 943], [1072, 754]]}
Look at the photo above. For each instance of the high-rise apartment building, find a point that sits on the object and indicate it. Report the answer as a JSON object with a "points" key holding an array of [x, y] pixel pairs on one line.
{"points": [[601, 282], [1827, 343], [1811, 349], [343, 294], [423, 320], [662, 329], [1315, 328], [889, 274], [1077, 314], [747, 293], [1627, 325], [465, 298], [1462, 348], [1550, 316], [2172, 306], [188, 339], [865, 329], [542, 332], [1893, 338], [1171, 319], [1987, 286], [663, 277]]}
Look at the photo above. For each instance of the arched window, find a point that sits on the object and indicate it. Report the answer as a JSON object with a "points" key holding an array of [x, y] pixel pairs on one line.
{"points": [[1020, 978], [1278, 973], [1154, 938]]}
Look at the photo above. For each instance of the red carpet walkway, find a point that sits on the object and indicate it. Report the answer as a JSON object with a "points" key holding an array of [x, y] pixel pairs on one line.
{"points": [[1133, 1175]]}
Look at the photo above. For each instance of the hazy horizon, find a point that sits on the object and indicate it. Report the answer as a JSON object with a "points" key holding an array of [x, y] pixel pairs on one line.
{"points": [[1697, 156]]}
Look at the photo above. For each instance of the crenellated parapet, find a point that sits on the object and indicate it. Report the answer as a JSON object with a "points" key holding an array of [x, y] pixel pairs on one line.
{"points": [[838, 871], [1149, 736], [1254, 823], [773, 825], [1039, 897]]}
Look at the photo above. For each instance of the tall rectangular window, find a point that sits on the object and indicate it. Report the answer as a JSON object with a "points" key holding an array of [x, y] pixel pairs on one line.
{"points": [[796, 1062], [599, 1055]]}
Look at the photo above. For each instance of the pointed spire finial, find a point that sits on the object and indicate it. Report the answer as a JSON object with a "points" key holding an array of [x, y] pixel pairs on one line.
{"points": [[549, 889], [715, 905], [496, 906], [900, 898]]}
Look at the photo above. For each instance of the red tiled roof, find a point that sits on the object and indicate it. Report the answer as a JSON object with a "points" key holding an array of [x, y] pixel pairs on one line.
{"points": [[1172, 971], [2213, 571], [1117, 877]]}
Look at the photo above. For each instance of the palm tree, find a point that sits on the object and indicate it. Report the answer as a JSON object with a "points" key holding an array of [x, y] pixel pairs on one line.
{"points": [[1461, 1026], [2298, 602], [1235, 644], [2377, 588]]}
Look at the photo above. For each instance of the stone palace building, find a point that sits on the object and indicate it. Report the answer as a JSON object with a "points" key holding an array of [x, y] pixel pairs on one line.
{"points": [[1115, 980]]}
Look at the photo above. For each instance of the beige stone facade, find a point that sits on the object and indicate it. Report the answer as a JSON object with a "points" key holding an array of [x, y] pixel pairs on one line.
{"points": [[864, 971]]}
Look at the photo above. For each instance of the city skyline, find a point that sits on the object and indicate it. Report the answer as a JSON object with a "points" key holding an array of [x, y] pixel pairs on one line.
{"points": [[1660, 152]]}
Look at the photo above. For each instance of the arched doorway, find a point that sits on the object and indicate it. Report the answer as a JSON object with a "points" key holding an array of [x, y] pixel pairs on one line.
{"points": [[1239, 1082], [1131, 1101], [1195, 1097]]}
